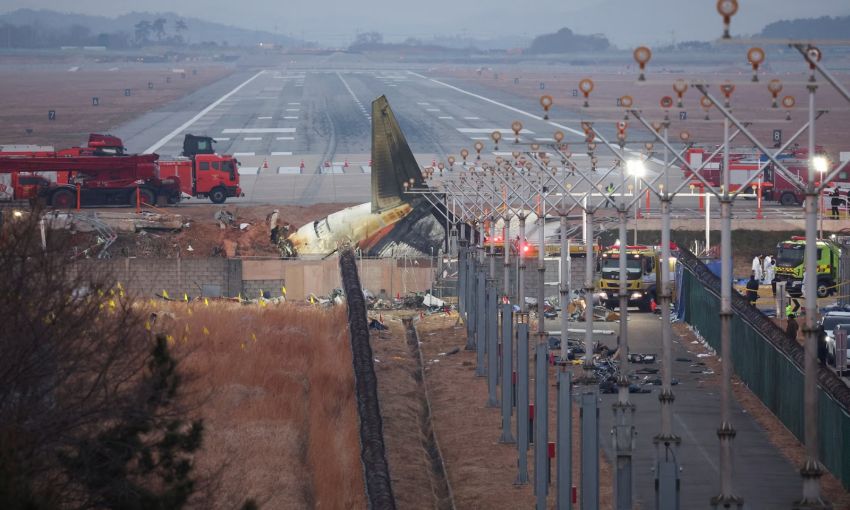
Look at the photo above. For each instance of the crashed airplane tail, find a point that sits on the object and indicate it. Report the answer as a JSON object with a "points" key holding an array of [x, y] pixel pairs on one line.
{"points": [[393, 163], [394, 223]]}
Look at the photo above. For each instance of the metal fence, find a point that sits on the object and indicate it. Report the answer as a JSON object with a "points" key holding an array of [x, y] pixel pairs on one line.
{"points": [[770, 364]]}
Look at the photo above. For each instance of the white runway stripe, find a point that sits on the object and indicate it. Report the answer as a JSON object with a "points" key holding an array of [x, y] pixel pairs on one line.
{"points": [[257, 130]]}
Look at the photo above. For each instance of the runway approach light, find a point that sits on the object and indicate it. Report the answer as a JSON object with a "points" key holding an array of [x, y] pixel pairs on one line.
{"points": [[820, 164], [636, 167]]}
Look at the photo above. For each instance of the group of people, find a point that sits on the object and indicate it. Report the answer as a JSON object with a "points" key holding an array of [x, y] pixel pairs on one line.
{"points": [[763, 272]]}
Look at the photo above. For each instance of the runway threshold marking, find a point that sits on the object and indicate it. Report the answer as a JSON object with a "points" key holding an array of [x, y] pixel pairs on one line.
{"points": [[167, 138]]}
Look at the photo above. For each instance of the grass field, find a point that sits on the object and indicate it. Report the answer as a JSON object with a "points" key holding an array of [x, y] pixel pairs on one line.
{"points": [[276, 389], [27, 96]]}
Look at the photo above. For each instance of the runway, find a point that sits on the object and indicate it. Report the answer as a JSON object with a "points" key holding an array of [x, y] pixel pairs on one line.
{"points": [[302, 131]]}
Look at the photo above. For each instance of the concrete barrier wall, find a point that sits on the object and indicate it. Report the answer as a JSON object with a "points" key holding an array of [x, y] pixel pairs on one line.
{"points": [[229, 277]]}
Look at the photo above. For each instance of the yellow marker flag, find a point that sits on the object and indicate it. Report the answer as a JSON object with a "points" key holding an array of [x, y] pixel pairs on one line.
{"points": [[169, 339], [206, 331], [253, 337], [185, 297], [112, 304], [119, 286], [239, 296], [165, 293], [261, 292], [263, 303], [206, 302], [283, 291]]}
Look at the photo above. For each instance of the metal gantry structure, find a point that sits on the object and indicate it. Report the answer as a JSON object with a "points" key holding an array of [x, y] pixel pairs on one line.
{"points": [[546, 181]]}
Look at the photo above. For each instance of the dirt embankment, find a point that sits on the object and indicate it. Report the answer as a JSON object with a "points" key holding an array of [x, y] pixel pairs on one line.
{"points": [[481, 471]]}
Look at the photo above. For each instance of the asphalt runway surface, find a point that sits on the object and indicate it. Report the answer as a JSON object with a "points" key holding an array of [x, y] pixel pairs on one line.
{"points": [[303, 134]]}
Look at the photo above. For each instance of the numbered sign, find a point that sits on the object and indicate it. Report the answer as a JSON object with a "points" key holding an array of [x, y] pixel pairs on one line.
{"points": [[95, 101], [683, 115], [127, 92], [51, 115], [777, 137]]}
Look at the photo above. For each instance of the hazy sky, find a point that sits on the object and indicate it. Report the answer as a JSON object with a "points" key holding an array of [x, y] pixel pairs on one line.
{"points": [[626, 22]]}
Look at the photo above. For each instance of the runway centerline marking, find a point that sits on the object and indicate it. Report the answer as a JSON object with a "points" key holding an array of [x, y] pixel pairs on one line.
{"points": [[167, 138], [285, 138], [244, 153], [252, 138], [282, 153]]}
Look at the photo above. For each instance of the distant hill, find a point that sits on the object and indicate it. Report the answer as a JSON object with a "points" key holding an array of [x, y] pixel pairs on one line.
{"points": [[174, 29], [825, 27], [565, 41]]}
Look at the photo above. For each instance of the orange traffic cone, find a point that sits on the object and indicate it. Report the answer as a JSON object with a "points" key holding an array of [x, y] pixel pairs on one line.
{"points": [[265, 163], [345, 165], [302, 164]]}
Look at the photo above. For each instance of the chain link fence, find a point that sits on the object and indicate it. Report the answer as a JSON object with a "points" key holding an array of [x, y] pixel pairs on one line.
{"points": [[768, 362]]}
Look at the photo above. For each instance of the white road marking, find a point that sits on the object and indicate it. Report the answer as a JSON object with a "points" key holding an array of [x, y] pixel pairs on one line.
{"points": [[113, 68], [257, 130], [285, 138], [282, 153], [497, 103], [424, 104], [353, 96], [221, 139], [252, 138], [294, 104], [74, 69], [432, 109], [490, 130], [545, 139], [264, 118], [244, 153], [445, 118], [164, 140], [248, 170], [471, 118], [289, 170], [479, 137], [291, 117], [293, 109]]}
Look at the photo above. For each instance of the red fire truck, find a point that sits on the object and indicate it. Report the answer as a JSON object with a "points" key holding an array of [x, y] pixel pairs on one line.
{"points": [[102, 174], [743, 165]]}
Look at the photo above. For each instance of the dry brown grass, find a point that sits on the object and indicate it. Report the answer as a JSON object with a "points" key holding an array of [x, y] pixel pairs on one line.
{"points": [[276, 389]]}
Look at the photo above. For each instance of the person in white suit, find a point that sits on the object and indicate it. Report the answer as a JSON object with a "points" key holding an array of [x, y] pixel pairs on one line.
{"points": [[758, 272]]}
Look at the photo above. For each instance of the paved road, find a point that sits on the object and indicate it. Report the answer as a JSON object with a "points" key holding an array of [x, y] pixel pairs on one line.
{"points": [[763, 477]]}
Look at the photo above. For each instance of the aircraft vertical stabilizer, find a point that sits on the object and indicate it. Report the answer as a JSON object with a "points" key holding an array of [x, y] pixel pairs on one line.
{"points": [[393, 163]]}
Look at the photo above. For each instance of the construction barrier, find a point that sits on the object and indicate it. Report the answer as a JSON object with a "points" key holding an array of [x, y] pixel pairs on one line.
{"points": [[768, 362]]}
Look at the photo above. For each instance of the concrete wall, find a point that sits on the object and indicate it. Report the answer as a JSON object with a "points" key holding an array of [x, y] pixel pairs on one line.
{"points": [[229, 277]]}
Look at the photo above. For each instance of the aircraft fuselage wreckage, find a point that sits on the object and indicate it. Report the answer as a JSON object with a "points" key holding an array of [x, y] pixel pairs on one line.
{"points": [[394, 223]]}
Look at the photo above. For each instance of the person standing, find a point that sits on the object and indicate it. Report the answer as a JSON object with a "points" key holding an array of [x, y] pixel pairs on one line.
{"points": [[792, 327], [836, 202], [753, 290], [610, 192], [758, 272], [770, 270]]}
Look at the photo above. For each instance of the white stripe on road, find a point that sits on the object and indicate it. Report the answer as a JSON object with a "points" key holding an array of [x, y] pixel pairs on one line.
{"points": [[353, 96], [258, 130], [285, 138], [493, 101], [445, 118], [221, 139], [283, 153], [244, 153], [167, 138], [252, 138], [471, 118], [293, 109], [294, 104], [263, 118], [291, 117]]}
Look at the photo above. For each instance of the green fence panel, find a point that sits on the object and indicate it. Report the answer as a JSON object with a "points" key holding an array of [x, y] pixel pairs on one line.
{"points": [[770, 365]]}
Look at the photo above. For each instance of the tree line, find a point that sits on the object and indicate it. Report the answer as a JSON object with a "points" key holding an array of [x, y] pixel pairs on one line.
{"points": [[145, 33]]}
